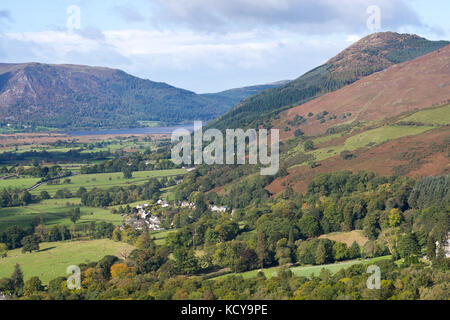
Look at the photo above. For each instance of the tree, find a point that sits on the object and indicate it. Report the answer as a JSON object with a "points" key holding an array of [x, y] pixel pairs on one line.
{"points": [[127, 173], [309, 227], [431, 248], [119, 270], [262, 249], [30, 243], [185, 260], [308, 145], [105, 264], [6, 286], [321, 254], [283, 252], [408, 245], [341, 251], [74, 215], [145, 242], [44, 195], [298, 133], [395, 218], [3, 250], [14, 236], [17, 280], [355, 250], [33, 286]]}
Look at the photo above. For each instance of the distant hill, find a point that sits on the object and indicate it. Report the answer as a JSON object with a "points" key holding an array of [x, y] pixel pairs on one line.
{"points": [[71, 96], [373, 53]]}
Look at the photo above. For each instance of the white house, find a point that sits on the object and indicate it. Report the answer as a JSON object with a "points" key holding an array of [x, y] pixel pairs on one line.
{"points": [[220, 209], [163, 203]]}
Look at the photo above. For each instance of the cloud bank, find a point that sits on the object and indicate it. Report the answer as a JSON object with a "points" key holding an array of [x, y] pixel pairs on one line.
{"points": [[307, 16]]}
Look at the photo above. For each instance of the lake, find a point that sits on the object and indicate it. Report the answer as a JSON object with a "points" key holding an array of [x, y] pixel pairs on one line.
{"points": [[148, 130]]}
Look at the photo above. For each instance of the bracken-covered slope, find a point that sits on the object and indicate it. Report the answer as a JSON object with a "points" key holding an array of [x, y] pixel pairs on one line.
{"points": [[412, 85], [71, 96], [371, 54]]}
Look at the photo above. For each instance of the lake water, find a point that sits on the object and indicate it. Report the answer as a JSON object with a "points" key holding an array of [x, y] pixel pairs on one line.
{"points": [[149, 131]]}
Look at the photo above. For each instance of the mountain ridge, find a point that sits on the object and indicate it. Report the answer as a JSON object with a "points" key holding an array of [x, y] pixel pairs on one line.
{"points": [[80, 96], [370, 54]]}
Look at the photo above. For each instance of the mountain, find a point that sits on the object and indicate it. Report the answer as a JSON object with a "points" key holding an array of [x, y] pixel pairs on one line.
{"points": [[394, 122], [72, 96], [239, 94], [371, 54], [409, 86]]}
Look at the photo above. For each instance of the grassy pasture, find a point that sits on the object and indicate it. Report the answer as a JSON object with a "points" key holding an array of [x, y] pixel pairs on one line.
{"points": [[434, 116], [160, 236], [107, 180], [20, 183], [305, 271], [54, 258], [54, 212], [369, 138]]}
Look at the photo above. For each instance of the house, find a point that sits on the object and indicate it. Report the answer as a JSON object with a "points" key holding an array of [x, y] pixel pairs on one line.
{"points": [[186, 204], [154, 223], [446, 246], [219, 209], [163, 203]]}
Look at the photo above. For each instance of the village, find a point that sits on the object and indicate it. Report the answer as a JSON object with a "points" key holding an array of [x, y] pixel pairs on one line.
{"points": [[143, 217]]}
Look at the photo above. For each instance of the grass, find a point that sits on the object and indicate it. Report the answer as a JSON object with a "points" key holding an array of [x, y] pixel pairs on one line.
{"points": [[305, 271], [54, 212], [347, 237], [107, 180], [369, 138], [20, 183], [160, 236], [54, 258], [434, 116]]}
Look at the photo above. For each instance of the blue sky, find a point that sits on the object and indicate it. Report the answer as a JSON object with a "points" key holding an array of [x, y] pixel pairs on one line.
{"points": [[205, 45]]}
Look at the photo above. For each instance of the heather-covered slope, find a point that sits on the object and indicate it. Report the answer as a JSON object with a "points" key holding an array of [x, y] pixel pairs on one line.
{"points": [[412, 85]]}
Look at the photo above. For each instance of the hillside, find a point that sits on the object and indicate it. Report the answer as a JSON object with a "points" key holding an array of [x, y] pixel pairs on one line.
{"points": [[371, 54], [70, 96], [393, 123], [408, 86]]}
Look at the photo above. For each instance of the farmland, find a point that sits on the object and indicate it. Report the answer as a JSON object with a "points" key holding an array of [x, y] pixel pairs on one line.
{"points": [[369, 138], [107, 180], [52, 259], [433, 116], [306, 271], [54, 212]]}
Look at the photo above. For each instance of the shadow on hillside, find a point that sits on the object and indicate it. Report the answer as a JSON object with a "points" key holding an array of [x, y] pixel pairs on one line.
{"points": [[46, 249]]}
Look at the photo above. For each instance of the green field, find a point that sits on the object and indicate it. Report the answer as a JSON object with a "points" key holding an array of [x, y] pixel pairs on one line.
{"points": [[54, 258], [20, 183], [107, 180], [369, 138], [305, 271], [434, 116], [160, 236], [54, 212]]}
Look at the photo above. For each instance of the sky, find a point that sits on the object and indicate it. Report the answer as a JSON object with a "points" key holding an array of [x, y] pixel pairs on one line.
{"points": [[206, 45]]}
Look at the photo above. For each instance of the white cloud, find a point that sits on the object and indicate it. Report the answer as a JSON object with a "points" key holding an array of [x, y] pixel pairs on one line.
{"points": [[353, 38], [188, 59], [306, 16]]}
